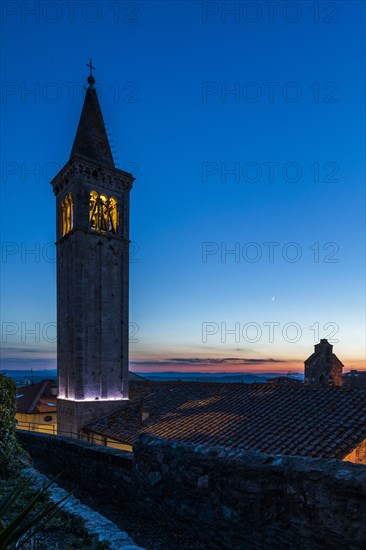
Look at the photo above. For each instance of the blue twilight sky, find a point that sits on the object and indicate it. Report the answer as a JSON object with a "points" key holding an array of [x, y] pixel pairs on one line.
{"points": [[244, 124]]}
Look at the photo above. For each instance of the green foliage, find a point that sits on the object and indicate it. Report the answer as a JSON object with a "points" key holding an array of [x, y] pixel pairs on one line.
{"points": [[48, 525], [11, 453], [27, 520]]}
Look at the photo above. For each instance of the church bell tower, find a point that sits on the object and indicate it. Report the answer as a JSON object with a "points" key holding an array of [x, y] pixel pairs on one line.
{"points": [[92, 240]]}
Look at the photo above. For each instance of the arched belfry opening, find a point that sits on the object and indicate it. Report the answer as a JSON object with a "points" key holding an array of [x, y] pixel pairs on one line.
{"points": [[103, 213], [67, 214]]}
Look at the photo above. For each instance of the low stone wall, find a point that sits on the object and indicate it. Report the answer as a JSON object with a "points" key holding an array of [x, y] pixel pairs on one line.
{"points": [[96, 525], [102, 470], [229, 499]]}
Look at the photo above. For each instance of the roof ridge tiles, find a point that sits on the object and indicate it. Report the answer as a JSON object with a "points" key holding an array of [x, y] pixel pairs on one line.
{"points": [[37, 397]]}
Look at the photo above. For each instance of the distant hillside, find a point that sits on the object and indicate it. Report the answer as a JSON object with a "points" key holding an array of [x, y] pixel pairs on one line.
{"points": [[248, 378], [22, 377]]}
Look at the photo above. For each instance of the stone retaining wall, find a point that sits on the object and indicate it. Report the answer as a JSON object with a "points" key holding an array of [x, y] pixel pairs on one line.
{"points": [[229, 499]]}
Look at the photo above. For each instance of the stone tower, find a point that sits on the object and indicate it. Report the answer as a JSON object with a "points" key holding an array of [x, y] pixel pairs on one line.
{"points": [[92, 239], [323, 368]]}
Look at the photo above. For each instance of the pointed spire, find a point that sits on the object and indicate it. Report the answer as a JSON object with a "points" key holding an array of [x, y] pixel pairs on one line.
{"points": [[91, 140]]}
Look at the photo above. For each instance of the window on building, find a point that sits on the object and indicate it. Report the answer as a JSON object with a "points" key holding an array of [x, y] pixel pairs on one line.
{"points": [[103, 213], [67, 214]]}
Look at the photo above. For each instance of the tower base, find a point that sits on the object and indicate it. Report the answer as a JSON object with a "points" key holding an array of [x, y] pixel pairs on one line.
{"points": [[72, 416]]}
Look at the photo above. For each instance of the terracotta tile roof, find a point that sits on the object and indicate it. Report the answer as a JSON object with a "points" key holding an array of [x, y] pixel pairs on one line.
{"points": [[46, 405], [284, 380], [293, 420], [36, 398]]}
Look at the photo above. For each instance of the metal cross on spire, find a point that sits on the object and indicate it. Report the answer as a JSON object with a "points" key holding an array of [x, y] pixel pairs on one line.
{"points": [[91, 79], [90, 65]]}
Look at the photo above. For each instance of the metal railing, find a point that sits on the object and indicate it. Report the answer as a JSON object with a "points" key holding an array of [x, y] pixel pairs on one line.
{"points": [[51, 429], [37, 427]]}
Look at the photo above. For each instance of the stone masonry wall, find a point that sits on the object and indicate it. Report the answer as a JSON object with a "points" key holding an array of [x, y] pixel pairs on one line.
{"points": [[228, 499]]}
